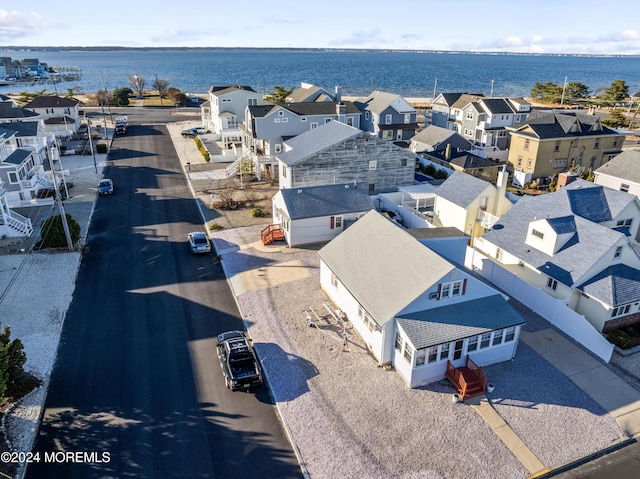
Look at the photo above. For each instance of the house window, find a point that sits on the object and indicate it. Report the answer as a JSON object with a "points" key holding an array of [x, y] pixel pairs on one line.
{"points": [[284, 171], [485, 340], [398, 342], [472, 345], [285, 120], [618, 252], [366, 115], [281, 113], [360, 312], [457, 349], [529, 163], [455, 288], [469, 115], [624, 187], [538, 234], [349, 121], [499, 254], [372, 187], [303, 119], [510, 335], [552, 284], [557, 146], [327, 120], [521, 263], [338, 222], [252, 101], [444, 352], [597, 145], [407, 118], [276, 120], [620, 310], [433, 354], [403, 162], [373, 165], [626, 223], [387, 135], [560, 163], [497, 337], [388, 119], [13, 178], [526, 144], [277, 148], [420, 356], [519, 161], [313, 125], [408, 352]]}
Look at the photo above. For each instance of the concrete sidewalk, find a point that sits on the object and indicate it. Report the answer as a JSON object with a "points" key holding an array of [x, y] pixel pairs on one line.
{"points": [[618, 398]]}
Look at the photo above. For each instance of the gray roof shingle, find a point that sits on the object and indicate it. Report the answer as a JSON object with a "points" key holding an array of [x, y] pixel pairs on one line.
{"points": [[382, 266], [461, 189], [625, 166], [326, 200], [458, 321], [616, 285]]}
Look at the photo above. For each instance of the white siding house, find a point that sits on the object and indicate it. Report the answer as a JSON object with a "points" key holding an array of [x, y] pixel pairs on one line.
{"points": [[621, 173], [318, 213], [415, 310]]}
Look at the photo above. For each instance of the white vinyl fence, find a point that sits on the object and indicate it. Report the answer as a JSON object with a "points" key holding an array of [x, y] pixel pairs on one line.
{"points": [[561, 316]]}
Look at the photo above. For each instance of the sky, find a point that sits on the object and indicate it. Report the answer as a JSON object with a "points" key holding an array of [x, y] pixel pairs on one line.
{"points": [[538, 26]]}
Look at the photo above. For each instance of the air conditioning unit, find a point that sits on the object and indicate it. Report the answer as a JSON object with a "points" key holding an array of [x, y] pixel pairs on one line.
{"points": [[433, 296]]}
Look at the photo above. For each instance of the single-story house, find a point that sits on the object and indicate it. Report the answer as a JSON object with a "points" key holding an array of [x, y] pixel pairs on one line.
{"points": [[319, 213]]}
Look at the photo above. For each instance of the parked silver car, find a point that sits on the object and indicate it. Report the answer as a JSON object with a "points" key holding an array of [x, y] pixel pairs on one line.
{"points": [[199, 242]]}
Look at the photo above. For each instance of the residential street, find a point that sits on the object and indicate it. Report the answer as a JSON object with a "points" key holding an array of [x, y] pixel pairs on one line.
{"points": [[137, 375]]}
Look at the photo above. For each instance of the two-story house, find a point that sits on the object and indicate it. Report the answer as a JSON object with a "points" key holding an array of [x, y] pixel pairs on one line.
{"points": [[61, 115], [550, 142], [388, 116], [10, 113], [447, 109], [470, 204], [338, 153], [579, 245], [223, 112], [436, 138], [484, 121], [267, 126], [415, 310], [621, 173]]}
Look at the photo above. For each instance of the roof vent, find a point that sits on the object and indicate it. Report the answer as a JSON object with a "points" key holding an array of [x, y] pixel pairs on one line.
{"points": [[299, 191]]}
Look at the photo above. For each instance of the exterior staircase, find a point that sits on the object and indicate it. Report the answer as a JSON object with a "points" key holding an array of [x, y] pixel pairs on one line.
{"points": [[272, 233], [16, 224], [468, 379]]}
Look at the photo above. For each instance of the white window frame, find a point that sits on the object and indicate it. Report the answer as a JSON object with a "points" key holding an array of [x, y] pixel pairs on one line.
{"points": [[552, 284], [621, 310], [472, 344], [388, 119], [373, 165]]}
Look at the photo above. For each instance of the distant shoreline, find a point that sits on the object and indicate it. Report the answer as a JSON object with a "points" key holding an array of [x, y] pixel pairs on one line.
{"points": [[24, 48]]}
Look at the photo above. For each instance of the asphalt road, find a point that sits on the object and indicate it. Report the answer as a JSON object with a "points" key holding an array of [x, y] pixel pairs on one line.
{"points": [[136, 388]]}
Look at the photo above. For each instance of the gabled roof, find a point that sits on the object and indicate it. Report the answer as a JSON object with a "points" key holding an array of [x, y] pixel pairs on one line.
{"points": [[458, 321], [382, 266], [307, 91], [315, 140], [378, 101], [496, 106], [218, 90], [461, 189], [9, 111], [625, 166], [450, 98], [611, 202], [326, 200], [465, 160], [439, 138], [617, 285], [7, 133], [52, 101], [590, 242]]}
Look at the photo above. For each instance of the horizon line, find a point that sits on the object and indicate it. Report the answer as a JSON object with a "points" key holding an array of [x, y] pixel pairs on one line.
{"points": [[344, 49]]}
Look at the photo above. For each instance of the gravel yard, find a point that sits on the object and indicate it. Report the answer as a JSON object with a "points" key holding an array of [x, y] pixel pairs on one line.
{"points": [[365, 422]]}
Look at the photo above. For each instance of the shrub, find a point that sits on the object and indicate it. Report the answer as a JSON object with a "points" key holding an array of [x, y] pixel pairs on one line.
{"points": [[256, 213], [215, 227], [101, 148], [621, 339], [12, 359], [52, 231]]}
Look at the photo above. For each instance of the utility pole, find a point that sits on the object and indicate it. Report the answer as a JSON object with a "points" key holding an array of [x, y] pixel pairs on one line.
{"points": [[564, 88], [435, 85], [63, 215], [492, 82], [95, 165]]}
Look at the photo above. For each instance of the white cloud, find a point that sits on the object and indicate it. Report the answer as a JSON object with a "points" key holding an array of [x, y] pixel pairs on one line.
{"points": [[18, 24]]}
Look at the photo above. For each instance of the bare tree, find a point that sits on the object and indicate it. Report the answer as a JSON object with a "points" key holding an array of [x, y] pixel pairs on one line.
{"points": [[137, 83], [162, 86]]}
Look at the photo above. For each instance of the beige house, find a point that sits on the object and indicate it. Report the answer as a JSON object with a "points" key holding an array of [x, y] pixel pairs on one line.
{"points": [[579, 245], [550, 142]]}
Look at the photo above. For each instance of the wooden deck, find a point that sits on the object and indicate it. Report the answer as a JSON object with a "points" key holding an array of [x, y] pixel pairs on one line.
{"points": [[272, 233], [467, 379]]}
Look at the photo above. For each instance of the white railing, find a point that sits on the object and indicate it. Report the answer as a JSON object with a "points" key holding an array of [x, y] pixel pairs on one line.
{"points": [[18, 222], [232, 170], [486, 220]]}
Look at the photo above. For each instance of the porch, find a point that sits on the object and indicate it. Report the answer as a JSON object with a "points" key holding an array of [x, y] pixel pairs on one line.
{"points": [[467, 379], [272, 233]]}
